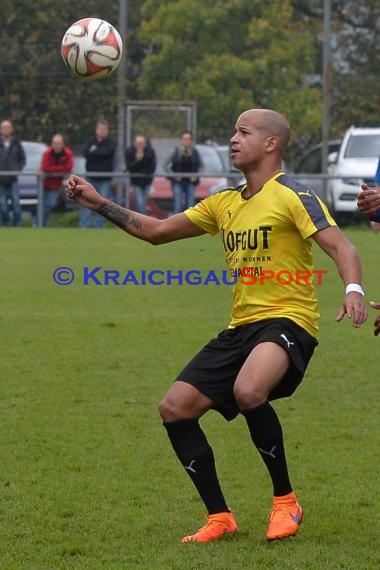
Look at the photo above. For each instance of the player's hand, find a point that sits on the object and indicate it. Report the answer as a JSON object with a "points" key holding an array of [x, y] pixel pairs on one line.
{"points": [[353, 306], [368, 200], [80, 190], [376, 324]]}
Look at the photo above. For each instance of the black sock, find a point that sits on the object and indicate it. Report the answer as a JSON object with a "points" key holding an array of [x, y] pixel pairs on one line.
{"points": [[194, 452], [266, 434]]}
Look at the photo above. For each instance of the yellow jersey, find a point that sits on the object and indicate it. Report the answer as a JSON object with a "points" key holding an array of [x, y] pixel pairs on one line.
{"points": [[268, 248]]}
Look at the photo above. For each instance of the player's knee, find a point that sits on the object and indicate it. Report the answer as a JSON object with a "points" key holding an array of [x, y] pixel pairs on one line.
{"points": [[249, 397], [168, 409]]}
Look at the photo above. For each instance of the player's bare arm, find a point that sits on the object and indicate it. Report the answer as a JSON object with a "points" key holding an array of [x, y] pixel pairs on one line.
{"points": [[369, 200], [138, 225], [341, 250]]}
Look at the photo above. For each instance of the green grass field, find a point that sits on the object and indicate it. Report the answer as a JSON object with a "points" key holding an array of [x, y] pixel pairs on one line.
{"points": [[87, 477]]}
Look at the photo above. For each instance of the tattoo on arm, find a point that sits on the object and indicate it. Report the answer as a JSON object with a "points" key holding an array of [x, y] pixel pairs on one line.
{"points": [[120, 216]]}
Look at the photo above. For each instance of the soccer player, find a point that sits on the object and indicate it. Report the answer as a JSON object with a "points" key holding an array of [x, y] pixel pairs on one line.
{"points": [[264, 352], [369, 205], [369, 201]]}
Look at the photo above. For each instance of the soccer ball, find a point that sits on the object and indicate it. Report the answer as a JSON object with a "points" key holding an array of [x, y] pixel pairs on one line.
{"points": [[92, 48]]}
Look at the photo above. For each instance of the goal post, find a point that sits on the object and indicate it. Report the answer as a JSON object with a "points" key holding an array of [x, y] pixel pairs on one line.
{"points": [[159, 119]]}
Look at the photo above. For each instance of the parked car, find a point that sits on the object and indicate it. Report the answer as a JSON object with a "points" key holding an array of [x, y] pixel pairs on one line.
{"points": [[352, 165], [234, 175], [160, 201], [79, 165], [311, 164], [28, 179], [225, 154]]}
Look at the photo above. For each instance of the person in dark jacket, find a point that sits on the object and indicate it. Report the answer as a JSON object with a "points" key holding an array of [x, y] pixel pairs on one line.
{"points": [[99, 153], [185, 158], [140, 159], [57, 159], [12, 157]]}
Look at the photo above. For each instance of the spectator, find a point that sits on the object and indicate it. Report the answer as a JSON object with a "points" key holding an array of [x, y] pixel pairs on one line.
{"points": [[140, 159], [12, 157], [57, 159], [185, 158], [99, 153]]}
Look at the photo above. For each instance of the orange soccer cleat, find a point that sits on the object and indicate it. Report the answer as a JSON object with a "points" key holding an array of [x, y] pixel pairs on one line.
{"points": [[285, 517], [217, 525]]}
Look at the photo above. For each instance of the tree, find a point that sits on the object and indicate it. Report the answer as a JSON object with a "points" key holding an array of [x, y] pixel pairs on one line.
{"points": [[36, 90], [227, 56], [230, 56], [356, 96], [356, 58]]}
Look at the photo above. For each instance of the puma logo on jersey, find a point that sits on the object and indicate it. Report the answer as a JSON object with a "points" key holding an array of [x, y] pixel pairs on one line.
{"points": [[307, 193]]}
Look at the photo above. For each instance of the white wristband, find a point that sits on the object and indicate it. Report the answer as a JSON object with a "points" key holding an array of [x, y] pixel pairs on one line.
{"points": [[354, 288]]}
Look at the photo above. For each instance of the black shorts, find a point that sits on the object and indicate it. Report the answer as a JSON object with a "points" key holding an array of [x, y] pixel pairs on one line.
{"points": [[214, 369]]}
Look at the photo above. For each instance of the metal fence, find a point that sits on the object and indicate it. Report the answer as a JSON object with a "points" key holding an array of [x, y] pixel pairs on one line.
{"points": [[35, 194]]}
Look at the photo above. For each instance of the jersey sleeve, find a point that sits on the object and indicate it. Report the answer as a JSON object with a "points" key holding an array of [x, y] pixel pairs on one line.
{"points": [[203, 215], [309, 213]]}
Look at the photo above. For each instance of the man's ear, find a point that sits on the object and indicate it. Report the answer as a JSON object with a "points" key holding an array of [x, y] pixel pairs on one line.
{"points": [[272, 143]]}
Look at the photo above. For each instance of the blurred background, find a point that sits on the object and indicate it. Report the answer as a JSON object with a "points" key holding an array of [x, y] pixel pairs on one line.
{"points": [[315, 61], [227, 56]]}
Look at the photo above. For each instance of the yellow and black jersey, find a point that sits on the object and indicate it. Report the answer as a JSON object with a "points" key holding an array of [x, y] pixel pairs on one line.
{"points": [[268, 248]]}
